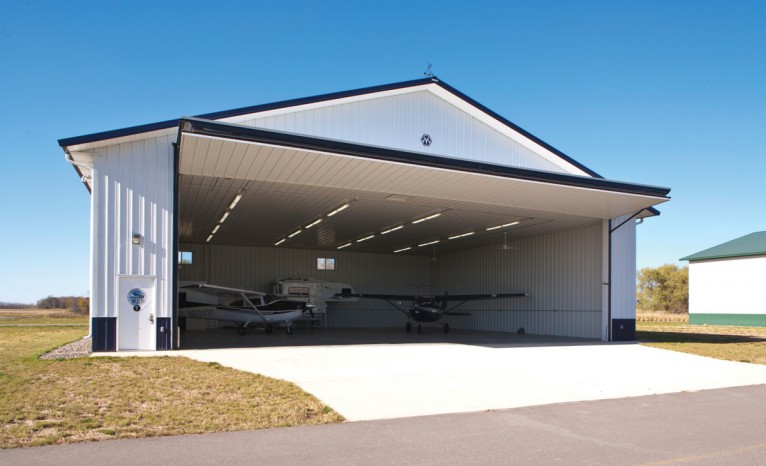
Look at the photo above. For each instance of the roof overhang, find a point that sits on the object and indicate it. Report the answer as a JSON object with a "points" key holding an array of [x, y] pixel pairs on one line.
{"points": [[291, 180]]}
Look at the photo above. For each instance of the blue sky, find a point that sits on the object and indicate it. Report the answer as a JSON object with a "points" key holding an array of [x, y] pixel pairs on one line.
{"points": [[667, 93]]}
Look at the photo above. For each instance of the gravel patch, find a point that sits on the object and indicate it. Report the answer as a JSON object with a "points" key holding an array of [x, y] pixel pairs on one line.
{"points": [[76, 349]]}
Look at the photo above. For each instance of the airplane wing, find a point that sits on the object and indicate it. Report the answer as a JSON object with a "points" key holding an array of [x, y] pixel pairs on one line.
{"points": [[446, 297], [215, 290], [479, 297]]}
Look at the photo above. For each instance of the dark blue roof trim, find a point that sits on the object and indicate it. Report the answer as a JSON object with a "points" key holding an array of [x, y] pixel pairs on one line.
{"points": [[241, 111], [321, 98], [518, 129], [298, 141]]}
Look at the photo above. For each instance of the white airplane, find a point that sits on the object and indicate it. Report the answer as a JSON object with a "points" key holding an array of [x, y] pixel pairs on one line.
{"points": [[243, 307]]}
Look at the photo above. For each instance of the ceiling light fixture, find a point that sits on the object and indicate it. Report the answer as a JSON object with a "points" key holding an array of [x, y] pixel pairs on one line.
{"points": [[461, 236], [504, 225], [296, 232], [313, 223], [365, 238], [235, 201], [280, 241], [343, 207], [384, 232], [427, 218], [209, 238], [224, 217], [403, 249], [428, 244], [345, 245], [215, 230]]}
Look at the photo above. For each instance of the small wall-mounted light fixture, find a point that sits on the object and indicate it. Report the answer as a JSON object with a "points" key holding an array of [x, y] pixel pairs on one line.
{"points": [[136, 238]]}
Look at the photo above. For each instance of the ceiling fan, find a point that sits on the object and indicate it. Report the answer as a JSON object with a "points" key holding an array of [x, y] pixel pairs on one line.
{"points": [[505, 246]]}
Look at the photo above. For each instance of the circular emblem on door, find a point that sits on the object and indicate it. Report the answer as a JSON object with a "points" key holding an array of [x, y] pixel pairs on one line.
{"points": [[426, 140], [136, 296]]}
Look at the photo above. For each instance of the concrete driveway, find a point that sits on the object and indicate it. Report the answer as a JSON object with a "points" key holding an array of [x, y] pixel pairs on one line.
{"points": [[413, 375]]}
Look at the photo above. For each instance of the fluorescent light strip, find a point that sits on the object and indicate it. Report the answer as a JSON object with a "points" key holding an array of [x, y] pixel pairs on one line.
{"points": [[280, 241], [403, 249], [343, 207], [428, 244], [461, 236], [209, 238], [365, 238], [215, 230], [294, 233], [224, 217], [392, 229], [427, 218], [235, 201], [505, 225], [313, 223], [345, 245]]}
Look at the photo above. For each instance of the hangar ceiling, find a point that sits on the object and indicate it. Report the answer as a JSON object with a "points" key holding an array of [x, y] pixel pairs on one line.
{"points": [[284, 190]]}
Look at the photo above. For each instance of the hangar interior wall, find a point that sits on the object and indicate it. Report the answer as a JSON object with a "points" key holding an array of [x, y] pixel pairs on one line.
{"points": [[257, 268], [561, 272], [132, 194], [728, 291]]}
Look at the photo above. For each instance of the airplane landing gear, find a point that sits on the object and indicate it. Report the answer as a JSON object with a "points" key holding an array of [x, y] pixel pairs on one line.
{"points": [[408, 327], [269, 329], [420, 328], [446, 328], [289, 329], [241, 329]]}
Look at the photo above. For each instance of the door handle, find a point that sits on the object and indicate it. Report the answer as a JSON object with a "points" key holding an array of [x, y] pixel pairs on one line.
{"points": [[151, 318]]}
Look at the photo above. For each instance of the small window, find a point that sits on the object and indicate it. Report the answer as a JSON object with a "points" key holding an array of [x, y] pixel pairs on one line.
{"points": [[184, 257], [325, 263]]}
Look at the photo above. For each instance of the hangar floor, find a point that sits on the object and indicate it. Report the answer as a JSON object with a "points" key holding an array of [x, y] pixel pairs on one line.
{"points": [[365, 374], [312, 336]]}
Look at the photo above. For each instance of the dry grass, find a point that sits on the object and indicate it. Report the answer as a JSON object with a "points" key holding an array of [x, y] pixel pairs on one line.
{"points": [[41, 316], [661, 317], [86, 399], [744, 344]]}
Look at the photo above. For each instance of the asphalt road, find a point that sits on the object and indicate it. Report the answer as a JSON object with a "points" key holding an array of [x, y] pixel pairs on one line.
{"points": [[725, 426]]}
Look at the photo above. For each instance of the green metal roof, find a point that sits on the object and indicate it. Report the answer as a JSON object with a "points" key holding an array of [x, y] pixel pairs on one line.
{"points": [[753, 244]]}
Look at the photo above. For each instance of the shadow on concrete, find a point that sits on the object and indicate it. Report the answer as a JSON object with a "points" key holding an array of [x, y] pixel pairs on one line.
{"points": [[311, 336]]}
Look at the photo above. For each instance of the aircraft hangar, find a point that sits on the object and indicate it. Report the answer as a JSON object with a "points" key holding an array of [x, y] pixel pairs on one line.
{"points": [[409, 188]]}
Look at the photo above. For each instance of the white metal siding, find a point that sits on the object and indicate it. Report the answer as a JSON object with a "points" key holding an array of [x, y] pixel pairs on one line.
{"points": [[399, 122], [728, 286], [561, 272], [624, 269], [132, 193]]}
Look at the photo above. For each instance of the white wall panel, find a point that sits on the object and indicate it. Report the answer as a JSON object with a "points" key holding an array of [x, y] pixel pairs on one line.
{"points": [[561, 272], [624, 269], [132, 193], [399, 121], [728, 286]]}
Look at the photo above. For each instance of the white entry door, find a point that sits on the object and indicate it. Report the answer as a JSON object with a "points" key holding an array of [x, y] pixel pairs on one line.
{"points": [[137, 312]]}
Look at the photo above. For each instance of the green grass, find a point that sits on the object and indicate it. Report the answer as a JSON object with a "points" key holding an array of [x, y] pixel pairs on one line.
{"points": [[63, 401], [744, 344]]}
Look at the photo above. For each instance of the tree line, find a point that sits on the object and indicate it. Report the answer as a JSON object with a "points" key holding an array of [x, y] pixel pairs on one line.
{"points": [[664, 288], [78, 304]]}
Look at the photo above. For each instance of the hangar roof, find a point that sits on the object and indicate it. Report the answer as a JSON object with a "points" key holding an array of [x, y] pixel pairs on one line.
{"points": [[753, 244], [288, 186]]}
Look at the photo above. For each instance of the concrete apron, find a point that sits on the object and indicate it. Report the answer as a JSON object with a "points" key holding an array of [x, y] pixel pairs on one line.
{"points": [[380, 381]]}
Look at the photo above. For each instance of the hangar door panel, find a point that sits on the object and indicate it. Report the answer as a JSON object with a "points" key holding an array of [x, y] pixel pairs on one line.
{"points": [[136, 297]]}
